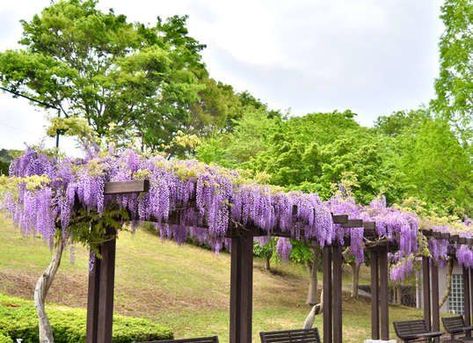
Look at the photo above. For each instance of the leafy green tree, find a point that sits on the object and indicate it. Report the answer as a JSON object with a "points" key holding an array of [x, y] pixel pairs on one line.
{"points": [[251, 136], [454, 85], [101, 67], [400, 121], [437, 168]]}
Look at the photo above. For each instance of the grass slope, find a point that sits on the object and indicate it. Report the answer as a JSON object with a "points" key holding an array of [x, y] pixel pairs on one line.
{"points": [[183, 287]]}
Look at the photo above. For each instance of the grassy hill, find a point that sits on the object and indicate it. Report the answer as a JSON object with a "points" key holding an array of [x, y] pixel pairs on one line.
{"points": [[183, 287]]}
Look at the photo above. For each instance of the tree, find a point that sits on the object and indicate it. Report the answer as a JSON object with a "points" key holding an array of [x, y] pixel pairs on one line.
{"points": [[400, 121], [454, 85], [437, 168], [101, 67], [251, 136]]}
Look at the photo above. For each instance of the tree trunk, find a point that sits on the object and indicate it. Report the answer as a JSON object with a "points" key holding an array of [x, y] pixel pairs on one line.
{"points": [[267, 263], [316, 309], [398, 294], [312, 296], [41, 291], [355, 283], [449, 283]]}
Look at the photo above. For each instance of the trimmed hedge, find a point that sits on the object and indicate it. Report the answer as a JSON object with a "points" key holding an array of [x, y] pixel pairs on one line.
{"points": [[18, 320]]}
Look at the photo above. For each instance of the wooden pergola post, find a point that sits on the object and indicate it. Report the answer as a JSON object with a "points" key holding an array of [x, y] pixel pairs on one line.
{"points": [[466, 298], [426, 290], [337, 323], [383, 292], [471, 302], [327, 296], [100, 295], [374, 294], [241, 287], [435, 298], [102, 274]]}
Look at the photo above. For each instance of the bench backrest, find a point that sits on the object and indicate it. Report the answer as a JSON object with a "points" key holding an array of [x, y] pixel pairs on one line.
{"points": [[213, 339], [410, 327], [291, 336], [452, 324]]}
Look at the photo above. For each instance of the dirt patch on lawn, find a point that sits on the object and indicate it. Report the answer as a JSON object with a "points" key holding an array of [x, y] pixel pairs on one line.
{"points": [[67, 289]]}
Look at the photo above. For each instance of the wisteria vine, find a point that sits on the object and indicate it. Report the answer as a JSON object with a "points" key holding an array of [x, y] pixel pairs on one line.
{"points": [[191, 200]]}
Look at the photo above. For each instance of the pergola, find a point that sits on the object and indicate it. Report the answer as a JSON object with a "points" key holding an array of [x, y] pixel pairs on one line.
{"points": [[430, 271], [101, 279]]}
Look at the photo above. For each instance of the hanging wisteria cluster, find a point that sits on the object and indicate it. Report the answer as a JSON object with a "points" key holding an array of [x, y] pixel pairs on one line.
{"points": [[401, 266], [348, 206], [188, 199], [394, 224]]}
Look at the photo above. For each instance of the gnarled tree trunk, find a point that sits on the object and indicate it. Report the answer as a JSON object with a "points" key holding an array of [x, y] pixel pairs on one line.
{"points": [[355, 279], [313, 283], [41, 290], [316, 309], [267, 263], [449, 283], [312, 268]]}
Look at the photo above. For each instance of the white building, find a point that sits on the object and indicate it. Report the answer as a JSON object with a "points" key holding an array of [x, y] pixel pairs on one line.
{"points": [[454, 304]]}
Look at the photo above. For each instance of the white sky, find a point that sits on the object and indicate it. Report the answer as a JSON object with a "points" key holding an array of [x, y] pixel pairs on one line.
{"points": [[370, 56]]}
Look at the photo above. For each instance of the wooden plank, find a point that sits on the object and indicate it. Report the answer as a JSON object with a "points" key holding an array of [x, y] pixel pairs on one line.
{"points": [[383, 292], [337, 322], [353, 223], [339, 218], [369, 226], [107, 282], [125, 187], [374, 294], [327, 296], [435, 298], [466, 298], [92, 298], [241, 288], [426, 291]]}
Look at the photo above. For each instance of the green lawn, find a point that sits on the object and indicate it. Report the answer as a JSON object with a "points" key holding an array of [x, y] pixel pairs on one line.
{"points": [[183, 287]]}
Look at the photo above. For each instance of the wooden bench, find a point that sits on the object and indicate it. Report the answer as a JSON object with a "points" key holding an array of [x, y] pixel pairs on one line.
{"points": [[291, 336], [456, 326], [415, 331], [213, 339]]}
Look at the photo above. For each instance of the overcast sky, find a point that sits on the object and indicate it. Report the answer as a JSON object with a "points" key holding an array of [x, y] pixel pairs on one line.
{"points": [[370, 56]]}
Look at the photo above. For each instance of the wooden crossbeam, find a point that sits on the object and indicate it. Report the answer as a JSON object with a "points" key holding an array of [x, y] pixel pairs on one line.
{"points": [[126, 187], [339, 218], [353, 223]]}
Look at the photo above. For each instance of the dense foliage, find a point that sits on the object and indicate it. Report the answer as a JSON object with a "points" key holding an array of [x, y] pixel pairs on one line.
{"points": [[18, 321], [454, 85], [407, 155]]}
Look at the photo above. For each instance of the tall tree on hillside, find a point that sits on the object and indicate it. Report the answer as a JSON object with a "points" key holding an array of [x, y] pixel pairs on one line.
{"points": [[437, 168], [454, 86], [99, 66]]}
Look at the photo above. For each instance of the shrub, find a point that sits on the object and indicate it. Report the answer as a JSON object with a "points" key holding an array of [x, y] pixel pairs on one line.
{"points": [[18, 320], [5, 339]]}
